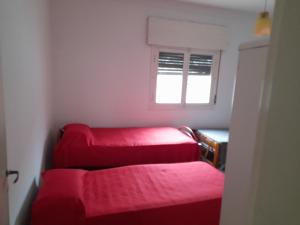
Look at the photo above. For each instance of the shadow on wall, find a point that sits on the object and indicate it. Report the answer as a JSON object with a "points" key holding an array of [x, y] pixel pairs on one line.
{"points": [[24, 216], [48, 151], [25, 212]]}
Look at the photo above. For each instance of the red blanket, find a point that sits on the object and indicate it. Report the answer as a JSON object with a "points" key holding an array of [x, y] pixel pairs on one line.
{"points": [[84, 147], [156, 194]]}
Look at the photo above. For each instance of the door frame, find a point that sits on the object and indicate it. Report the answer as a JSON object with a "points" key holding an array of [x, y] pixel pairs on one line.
{"points": [[4, 209]]}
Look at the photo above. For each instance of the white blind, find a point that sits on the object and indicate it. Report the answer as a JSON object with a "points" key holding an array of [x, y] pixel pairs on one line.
{"points": [[173, 33], [170, 63], [200, 65]]}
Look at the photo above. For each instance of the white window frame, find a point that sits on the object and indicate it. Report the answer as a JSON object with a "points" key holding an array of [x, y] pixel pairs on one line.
{"points": [[216, 54]]}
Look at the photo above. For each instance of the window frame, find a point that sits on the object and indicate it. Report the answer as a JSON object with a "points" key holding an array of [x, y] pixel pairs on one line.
{"points": [[216, 54]]}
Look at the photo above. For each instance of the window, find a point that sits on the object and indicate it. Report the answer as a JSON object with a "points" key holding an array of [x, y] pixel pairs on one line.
{"points": [[169, 77], [182, 77]]}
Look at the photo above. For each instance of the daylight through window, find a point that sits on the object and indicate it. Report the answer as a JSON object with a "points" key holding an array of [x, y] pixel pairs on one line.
{"points": [[185, 77]]}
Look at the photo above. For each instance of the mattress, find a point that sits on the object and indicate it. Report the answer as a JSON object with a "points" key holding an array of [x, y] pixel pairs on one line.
{"points": [[160, 194], [85, 147]]}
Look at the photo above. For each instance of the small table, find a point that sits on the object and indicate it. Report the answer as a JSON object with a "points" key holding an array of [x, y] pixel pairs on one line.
{"points": [[213, 144]]}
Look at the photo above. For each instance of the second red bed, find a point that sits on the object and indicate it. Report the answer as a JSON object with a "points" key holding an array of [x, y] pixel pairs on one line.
{"points": [[156, 194], [85, 147]]}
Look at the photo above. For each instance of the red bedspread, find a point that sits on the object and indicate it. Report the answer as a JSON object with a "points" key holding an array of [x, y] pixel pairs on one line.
{"points": [[156, 194], [84, 147]]}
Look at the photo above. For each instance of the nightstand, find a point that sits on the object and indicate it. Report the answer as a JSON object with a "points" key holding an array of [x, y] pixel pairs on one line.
{"points": [[213, 146]]}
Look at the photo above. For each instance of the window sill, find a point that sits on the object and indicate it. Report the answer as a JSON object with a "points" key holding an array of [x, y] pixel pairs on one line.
{"points": [[181, 107]]}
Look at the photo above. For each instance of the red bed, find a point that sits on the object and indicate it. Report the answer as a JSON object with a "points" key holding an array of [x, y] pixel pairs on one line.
{"points": [[85, 147], [155, 194]]}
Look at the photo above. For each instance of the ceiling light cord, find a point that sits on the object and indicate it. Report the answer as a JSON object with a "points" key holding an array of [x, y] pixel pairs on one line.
{"points": [[266, 2]]}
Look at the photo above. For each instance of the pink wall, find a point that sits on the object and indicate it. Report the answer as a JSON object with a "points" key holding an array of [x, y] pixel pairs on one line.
{"points": [[101, 62]]}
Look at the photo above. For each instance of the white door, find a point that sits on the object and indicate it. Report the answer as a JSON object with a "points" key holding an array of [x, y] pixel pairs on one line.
{"points": [[243, 128], [3, 183]]}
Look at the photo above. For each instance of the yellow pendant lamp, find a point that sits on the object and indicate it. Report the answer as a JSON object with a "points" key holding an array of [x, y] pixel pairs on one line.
{"points": [[263, 23]]}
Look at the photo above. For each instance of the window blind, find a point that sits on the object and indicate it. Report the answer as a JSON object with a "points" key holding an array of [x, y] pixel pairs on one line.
{"points": [[200, 65], [170, 63]]}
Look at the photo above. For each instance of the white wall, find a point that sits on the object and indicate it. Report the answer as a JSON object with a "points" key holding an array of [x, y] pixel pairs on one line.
{"points": [[276, 183], [101, 63], [25, 69]]}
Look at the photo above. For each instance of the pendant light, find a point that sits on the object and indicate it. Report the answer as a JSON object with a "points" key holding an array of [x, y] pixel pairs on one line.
{"points": [[263, 23]]}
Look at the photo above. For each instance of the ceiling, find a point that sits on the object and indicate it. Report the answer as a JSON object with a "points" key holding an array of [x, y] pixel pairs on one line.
{"points": [[245, 5]]}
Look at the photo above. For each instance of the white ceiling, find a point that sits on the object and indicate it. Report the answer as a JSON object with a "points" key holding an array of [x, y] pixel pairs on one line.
{"points": [[245, 5]]}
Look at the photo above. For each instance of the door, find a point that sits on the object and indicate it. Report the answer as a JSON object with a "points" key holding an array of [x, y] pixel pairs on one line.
{"points": [[243, 130], [3, 183]]}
